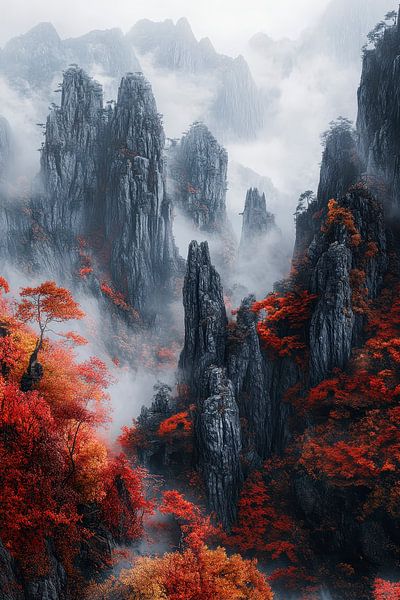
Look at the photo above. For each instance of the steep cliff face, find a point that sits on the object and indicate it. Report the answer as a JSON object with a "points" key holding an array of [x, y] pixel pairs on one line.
{"points": [[32, 59], [378, 122], [257, 222], [105, 51], [218, 440], [205, 317], [340, 163], [100, 203], [198, 170], [173, 46], [217, 427], [236, 107]]}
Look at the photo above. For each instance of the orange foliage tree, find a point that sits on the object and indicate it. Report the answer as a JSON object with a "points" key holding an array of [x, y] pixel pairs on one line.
{"points": [[52, 462], [195, 573], [282, 329]]}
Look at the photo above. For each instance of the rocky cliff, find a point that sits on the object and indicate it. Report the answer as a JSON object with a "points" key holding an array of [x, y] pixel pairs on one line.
{"points": [[217, 428], [378, 122], [198, 172], [257, 222], [100, 209], [236, 109]]}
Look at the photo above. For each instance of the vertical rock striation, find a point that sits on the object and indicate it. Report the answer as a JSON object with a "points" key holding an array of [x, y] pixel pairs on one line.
{"points": [[257, 222], [218, 442], [198, 169], [102, 183], [378, 122], [205, 317]]}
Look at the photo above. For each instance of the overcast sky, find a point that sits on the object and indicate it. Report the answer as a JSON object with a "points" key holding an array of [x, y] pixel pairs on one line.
{"points": [[229, 23]]}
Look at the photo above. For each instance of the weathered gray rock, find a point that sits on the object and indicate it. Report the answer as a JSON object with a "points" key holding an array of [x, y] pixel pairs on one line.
{"points": [[378, 122], [340, 166], [218, 443], [257, 223], [236, 108], [102, 181], [198, 170], [332, 323], [173, 46], [154, 454], [205, 318]]}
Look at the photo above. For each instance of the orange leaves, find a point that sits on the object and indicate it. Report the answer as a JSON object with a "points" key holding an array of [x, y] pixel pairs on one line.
{"points": [[4, 285], [51, 460], [341, 462], [195, 526], [84, 271], [46, 303], [286, 315], [177, 423], [124, 502], [207, 575], [342, 216], [118, 299], [359, 296]]}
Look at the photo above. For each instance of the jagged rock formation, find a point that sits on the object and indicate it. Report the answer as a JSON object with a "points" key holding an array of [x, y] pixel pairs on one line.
{"points": [[219, 444], [105, 51], [174, 46], [227, 367], [257, 222], [198, 170], [340, 163], [205, 317], [34, 59], [5, 147], [236, 109], [101, 186], [155, 456], [341, 30], [378, 122]]}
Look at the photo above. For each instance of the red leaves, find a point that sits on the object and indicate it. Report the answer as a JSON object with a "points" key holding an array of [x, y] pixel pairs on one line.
{"points": [[385, 590], [124, 503], [118, 299], [285, 314], [46, 303], [343, 216], [4, 285], [51, 461], [177, 423], [195, 527]]}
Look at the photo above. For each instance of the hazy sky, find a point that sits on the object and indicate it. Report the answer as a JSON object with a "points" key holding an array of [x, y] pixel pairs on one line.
{"points": [[229, 23]]}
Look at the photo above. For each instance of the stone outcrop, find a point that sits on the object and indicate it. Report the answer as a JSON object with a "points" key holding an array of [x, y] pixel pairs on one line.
{"points": [[198, 171], [257, 222], [205, 318], [378, 122], [173, 46], [236, 108], [218, 442], [101, 191], [340, 166]]}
